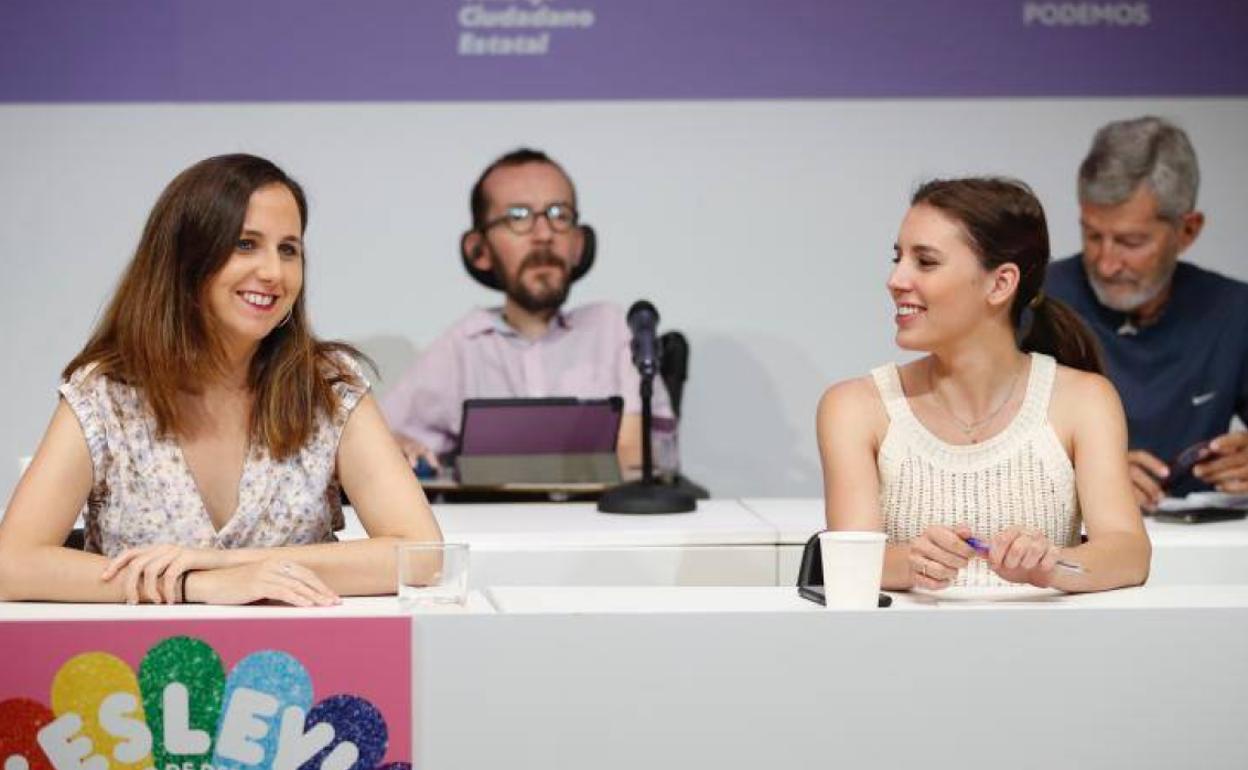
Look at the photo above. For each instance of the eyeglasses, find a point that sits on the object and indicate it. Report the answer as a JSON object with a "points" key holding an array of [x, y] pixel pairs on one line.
{"points": [[521, 219]]}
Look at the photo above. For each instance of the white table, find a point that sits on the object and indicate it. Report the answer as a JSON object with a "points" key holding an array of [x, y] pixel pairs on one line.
{"points": [[672, 677], [1183, 554], [1187, 554], [527, 600], [794, 520], [755, 541], [351, 607], [721, 543]]}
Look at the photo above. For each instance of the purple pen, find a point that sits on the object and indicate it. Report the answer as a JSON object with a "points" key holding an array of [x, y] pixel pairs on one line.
{"points": [[982, 548]]}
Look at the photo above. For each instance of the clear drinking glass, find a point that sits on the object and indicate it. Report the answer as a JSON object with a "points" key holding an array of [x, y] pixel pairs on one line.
{"points": [[433, 574]]}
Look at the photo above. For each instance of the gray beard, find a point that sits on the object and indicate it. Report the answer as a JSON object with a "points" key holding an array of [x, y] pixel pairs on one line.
{"points": [[1136, 299]]}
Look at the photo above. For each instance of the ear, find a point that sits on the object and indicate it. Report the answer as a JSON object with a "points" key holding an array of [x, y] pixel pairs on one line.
{"points": [[1004, 285], [1190, 225], [476, 250]]}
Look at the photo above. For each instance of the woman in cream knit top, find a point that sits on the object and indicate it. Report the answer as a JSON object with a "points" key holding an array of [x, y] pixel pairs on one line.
{"points": [[1005, 433], [1020, 476]]}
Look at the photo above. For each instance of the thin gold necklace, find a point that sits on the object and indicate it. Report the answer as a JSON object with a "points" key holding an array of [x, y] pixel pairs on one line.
{"points": [[969, 428]]}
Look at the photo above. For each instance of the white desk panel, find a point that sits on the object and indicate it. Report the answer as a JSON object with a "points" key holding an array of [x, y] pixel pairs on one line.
{"points": [[1183, 554], [1216, 552], [554, 600], [513, 600], [701, 565], [351, 607], [715, 522], [726, 543], [794, 519], [709, 680], [721, 543]]}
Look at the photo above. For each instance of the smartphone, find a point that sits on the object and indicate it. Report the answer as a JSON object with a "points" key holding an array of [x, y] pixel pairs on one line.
{"points": [[1183, 463]]}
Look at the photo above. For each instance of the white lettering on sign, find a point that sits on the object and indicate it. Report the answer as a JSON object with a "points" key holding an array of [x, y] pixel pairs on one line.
{"points": [[295, 747], [482, 27], [179, 737], [63, 750], [240, 727], [513, 17], [136, 738], [1086, 14], [471, 44], [247, 720]]}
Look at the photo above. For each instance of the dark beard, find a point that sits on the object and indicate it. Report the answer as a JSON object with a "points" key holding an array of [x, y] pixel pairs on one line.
{"points": [[543, 300]]}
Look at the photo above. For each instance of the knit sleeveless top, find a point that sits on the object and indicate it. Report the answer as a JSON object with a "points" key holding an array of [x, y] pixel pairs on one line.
{"points": [[1019, 476]]}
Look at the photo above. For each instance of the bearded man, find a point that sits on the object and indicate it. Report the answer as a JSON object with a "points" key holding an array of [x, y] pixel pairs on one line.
{"points": [[526, 241]]}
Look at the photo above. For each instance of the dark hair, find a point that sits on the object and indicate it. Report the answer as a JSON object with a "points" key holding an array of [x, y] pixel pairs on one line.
{"points": [[1004, 222], [157, 337], [480, 205]]}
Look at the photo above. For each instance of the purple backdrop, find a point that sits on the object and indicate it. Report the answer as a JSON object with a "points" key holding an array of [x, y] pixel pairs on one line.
{"points": [[386, 50]]}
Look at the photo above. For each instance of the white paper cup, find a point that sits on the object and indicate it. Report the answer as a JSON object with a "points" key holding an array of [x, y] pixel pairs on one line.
{"points": [[853, 564], [432, 574]]}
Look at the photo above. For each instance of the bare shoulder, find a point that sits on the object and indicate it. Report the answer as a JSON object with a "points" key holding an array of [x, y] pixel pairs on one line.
{"points": [[1083, 398], [853, 402], [855, 392], [1078, 385]]}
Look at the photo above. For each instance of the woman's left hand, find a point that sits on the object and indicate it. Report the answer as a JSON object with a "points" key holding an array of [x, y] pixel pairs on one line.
{"points": [[151, 572], [1023, 555]]}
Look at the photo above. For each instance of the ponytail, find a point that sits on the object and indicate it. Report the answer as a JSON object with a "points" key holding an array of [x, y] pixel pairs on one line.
{"points": [[1051, 327], [1005, 223]]}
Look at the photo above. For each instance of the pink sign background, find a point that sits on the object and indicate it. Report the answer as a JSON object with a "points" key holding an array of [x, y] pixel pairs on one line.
{"points": [[366, 657]]}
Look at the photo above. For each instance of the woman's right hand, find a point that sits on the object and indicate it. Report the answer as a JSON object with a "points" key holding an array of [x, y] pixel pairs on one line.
{"points": [[150, 572], [938, 554], [272, 579]]}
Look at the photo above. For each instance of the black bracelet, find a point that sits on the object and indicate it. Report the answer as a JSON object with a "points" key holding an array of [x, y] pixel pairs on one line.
{"points": [[181, 587]]}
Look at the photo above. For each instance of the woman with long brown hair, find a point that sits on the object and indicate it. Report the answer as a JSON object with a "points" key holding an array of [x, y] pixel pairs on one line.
{"points": [[205, 433], [984, 459]]}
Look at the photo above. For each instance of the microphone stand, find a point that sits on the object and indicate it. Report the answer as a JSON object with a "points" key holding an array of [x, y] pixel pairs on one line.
{"points": [[647, 447], [646, 495]]}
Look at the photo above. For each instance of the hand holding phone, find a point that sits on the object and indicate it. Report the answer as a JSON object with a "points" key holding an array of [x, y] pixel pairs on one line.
{"points": [[1183, 463]]}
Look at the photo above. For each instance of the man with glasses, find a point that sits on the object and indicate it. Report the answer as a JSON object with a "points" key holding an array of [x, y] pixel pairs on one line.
{"points": [[1175, 336], [526, 241]]}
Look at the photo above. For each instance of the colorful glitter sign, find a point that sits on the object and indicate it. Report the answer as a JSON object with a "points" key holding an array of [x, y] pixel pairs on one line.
{"points": [[298, 694]]}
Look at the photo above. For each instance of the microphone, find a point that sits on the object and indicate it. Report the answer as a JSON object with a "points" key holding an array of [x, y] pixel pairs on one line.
{"points": [[647, 494], [643, 321]]}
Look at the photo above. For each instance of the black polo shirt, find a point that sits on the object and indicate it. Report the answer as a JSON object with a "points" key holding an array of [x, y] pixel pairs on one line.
{"points": [[1181, 378]]}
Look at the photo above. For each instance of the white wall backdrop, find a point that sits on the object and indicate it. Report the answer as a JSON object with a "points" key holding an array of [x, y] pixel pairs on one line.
{"points": [[763, 230]]}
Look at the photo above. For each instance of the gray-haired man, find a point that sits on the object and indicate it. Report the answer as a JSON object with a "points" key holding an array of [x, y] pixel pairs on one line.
{"points": [[1175, 336]]}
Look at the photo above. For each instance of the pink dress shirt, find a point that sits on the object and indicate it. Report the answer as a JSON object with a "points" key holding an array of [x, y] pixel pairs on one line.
{"points": [[584, 354]]}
